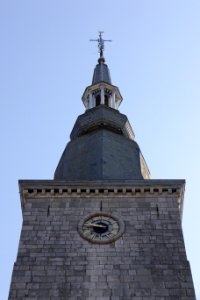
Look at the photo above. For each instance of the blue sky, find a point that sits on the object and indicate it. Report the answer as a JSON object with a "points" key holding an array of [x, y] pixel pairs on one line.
{"points": [[47, 61]]}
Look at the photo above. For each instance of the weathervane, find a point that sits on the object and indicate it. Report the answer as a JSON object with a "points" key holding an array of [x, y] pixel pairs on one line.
{"points": [[100, 41]]}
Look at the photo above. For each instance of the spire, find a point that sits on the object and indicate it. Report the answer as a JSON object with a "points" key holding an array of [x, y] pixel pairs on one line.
{"points": [[101, 91], [102, 145]]}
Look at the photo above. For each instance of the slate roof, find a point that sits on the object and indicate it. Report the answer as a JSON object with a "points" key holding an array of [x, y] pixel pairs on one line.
{"points": [[101, 73], [102, 148]]}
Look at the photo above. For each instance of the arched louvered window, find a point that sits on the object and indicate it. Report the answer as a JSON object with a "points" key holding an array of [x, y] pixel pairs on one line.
{"points": [[106, 99], [98, 100]]}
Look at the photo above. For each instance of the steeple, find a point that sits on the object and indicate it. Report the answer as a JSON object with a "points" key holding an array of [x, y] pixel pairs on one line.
{"points": [[102, 145], [101, 91], [101, 229]]}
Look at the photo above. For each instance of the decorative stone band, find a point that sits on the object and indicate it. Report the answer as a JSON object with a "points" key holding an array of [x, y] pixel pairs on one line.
{"points": [[135, 188]]}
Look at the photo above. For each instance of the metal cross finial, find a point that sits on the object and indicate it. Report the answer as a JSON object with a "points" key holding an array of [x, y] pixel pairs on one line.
{"points": [[100, 41]]}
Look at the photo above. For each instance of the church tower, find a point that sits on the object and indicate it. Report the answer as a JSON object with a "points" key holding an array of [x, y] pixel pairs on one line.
{"points": [[102, 229]]}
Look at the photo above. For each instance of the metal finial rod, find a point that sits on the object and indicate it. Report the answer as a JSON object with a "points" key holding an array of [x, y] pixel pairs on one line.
{"points": [[100, 41]]}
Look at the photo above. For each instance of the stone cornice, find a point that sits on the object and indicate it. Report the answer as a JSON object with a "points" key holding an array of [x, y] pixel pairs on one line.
{"points": [[127, 188]]}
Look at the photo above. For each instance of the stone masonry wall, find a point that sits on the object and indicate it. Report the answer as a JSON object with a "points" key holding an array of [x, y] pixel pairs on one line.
{"points": [[148, 262]]}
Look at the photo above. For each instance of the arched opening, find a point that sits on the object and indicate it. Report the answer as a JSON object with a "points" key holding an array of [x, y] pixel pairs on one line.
{"points": [[106, 100], [98, 100]]}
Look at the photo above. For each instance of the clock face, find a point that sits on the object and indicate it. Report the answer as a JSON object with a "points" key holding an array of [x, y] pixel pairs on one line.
{"points": [[100, 228]]}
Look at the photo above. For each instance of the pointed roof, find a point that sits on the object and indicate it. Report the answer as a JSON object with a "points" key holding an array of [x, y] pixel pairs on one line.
{"points": [[101, 73], [102, 147]]}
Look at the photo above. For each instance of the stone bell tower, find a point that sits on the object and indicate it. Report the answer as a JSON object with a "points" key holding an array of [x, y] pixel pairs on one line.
{"points": [[102, 229]]}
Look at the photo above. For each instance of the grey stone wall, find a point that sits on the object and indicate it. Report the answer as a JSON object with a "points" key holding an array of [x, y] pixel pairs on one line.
{"points": [[147, 262]]}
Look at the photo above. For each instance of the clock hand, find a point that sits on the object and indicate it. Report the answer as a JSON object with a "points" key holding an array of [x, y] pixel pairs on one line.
{"points": [[96, 225]]}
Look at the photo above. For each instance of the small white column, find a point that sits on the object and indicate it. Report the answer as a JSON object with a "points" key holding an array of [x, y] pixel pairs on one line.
{"points": [[102, 96], [93, 101], [90, 100], [87, 104], [113, 100]]}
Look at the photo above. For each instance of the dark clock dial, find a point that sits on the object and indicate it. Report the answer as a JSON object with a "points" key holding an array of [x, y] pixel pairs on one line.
{"points": [[100, 228]]}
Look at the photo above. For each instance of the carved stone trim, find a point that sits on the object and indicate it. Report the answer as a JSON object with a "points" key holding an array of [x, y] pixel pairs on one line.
{"points": [[96, 191]]}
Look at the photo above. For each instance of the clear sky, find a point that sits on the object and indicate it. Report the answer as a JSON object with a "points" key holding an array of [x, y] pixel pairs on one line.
{"points": [[46, 61]]}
